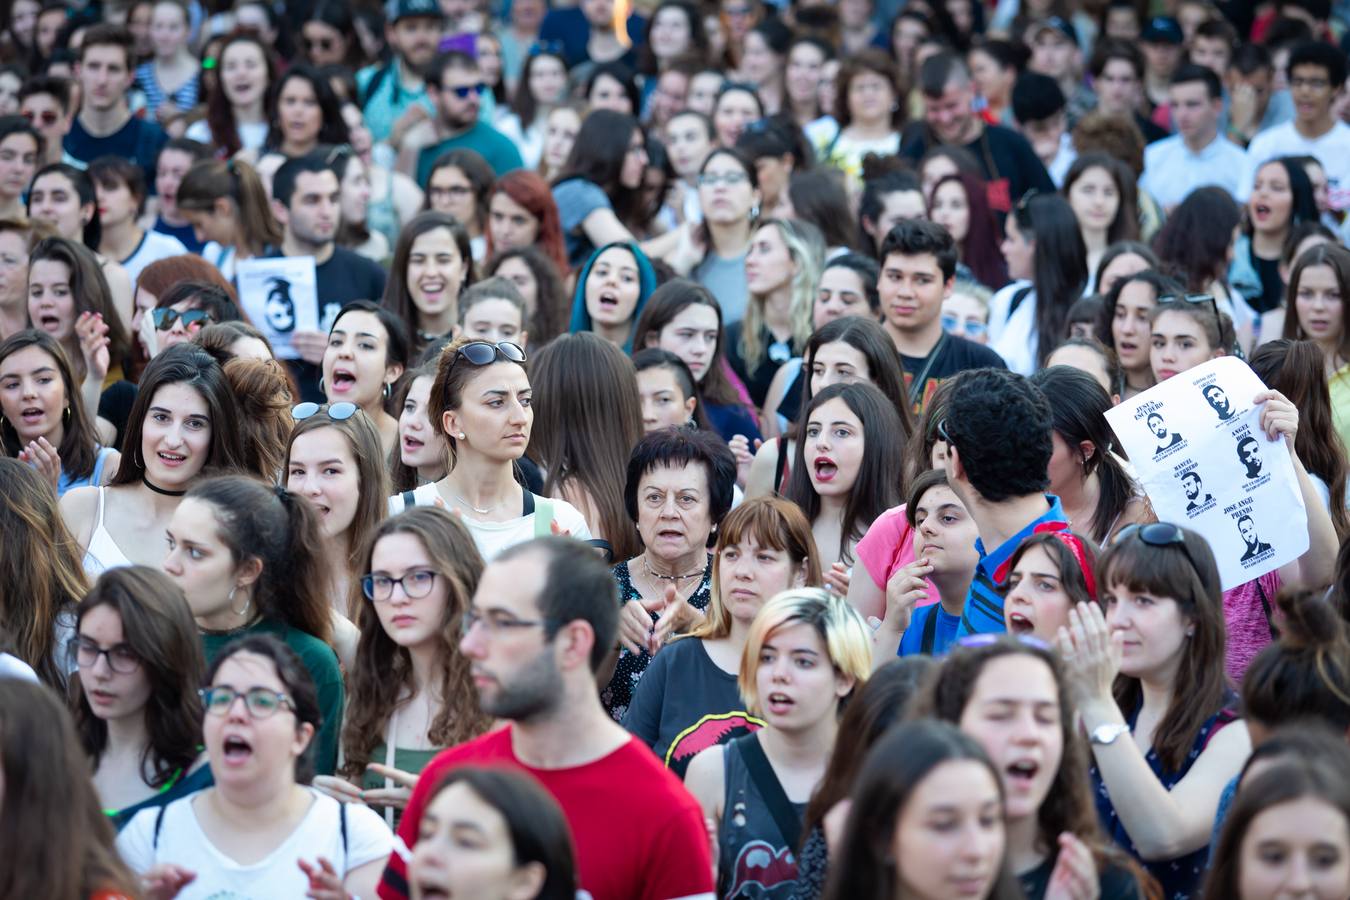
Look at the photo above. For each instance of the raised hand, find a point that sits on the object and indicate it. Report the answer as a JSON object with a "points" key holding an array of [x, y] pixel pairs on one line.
{"points": [[41, 455]]}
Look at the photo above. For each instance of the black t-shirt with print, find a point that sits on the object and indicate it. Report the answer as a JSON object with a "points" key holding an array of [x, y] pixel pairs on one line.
{"points": [[953, 354]]}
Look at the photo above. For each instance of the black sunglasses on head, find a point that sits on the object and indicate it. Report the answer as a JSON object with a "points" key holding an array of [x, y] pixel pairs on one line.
{"points": [[165, 318], [483, 353], [1159, 534]]}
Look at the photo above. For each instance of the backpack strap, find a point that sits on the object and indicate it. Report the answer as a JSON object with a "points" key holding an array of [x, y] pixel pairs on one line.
{"points": [[929, 633], [543, 514], [159, 823], [376, 81], [409, 501], [771, 790], [342, 826], [1022, 294]]}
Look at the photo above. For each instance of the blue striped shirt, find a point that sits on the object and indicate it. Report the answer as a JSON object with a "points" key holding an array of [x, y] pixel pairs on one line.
{"points": [[184, 98], [984, 603]]}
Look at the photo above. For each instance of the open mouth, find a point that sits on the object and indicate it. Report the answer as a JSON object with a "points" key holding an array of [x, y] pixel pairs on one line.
{"points": [[172, 460], [431, 892], [49, 322], [343, 380], [1022, 772], [609, 300], [32, 414], [825, 468], [1020, 624], [432, 288], [237, 750], [780, 704], [412, 444], [1261, 211]]}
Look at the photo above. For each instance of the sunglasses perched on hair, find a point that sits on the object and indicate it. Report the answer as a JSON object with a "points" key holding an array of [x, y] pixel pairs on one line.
{"points": [[483, 353], [1159, 534], [970, 329], [1205, 299], [338, 412], [463, 91], [165, 318]]}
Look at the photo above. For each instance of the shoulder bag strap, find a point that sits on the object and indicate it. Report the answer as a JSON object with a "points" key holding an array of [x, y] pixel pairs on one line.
{"points": [[409, 500], [771, 791], [916, 386], [929, 633], [1265, 608], [159, 823], [543, 514]]}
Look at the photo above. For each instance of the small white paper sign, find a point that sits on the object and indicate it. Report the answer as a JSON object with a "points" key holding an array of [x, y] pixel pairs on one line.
{"points": [[1196, 443], [281, 296]]}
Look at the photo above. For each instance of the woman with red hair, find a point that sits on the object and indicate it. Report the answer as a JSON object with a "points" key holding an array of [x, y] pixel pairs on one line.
{"points": [[154, 282], [960, 204], [521, 213]]}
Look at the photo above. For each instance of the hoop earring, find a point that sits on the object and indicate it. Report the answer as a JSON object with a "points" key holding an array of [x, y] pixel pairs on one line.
{"points": [[140, 463], [386, 390], [65, 414], [321, 390], [230, 599]]}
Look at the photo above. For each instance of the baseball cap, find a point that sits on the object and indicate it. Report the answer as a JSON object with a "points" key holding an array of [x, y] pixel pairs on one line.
{"points": [[1162, 30], [411, 9], [1057, 25]]}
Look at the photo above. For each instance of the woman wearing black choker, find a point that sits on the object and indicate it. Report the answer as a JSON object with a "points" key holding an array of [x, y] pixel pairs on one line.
{"points": [[184, 419]]}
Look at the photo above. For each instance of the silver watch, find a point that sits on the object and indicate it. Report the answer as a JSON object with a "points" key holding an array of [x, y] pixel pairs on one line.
{"points": [[1106, 734]]}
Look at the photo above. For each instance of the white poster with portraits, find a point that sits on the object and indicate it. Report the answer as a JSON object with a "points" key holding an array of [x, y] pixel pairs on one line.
{"points": [[280, 295], [1197, 446]]}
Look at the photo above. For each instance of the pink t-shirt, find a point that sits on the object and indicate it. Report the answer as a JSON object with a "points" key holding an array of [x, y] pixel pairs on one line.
{"points": [[1248, 626], [887, 547]]}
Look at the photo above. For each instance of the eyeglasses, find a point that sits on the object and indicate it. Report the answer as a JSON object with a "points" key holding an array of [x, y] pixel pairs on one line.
{"points": [[1159, 534], [121, 658], [1316, 84], [47, 117], [713, 179], [969, 328], [989, 639], [380, 588], [260, 702], [483, 353], [463, 91], [166, 318], [338, 412], [497, 622], [1192, 298]]}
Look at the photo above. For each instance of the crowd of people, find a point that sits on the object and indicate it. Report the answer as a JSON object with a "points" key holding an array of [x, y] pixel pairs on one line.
{"points": [[681, 467]]}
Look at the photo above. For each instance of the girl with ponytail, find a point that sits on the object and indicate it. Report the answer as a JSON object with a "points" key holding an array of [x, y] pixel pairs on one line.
{"points": [[228, 207], [250, 560]]}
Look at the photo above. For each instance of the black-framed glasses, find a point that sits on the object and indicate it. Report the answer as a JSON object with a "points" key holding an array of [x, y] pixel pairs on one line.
{"points": [[497, 622], [1198, 299], [165, 318], [484, 353], [1159, 534], [463, 91], [338, 412], [85, 653], [713, 179], [416, 584], [261, 702]]}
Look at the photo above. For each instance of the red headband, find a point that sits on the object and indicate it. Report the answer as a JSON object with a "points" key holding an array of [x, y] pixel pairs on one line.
{"points": [[1075, 545]]}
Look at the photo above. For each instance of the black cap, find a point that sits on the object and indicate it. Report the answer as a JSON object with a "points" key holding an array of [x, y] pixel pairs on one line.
{"points": [[412, 9], [1036, 97], [1162, 30], [1057, 25]]}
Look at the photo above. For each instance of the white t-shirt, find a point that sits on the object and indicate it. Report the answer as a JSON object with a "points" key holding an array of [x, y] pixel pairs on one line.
{"points": [[1332, 150], [13, 667], [183, 843], [494, 537], [1014, 336], [251, 134], [153, 247]]}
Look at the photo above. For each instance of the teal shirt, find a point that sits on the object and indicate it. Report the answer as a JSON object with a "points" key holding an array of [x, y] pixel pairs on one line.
{"points": [[487, 141], [322, 664], [390, 99]]}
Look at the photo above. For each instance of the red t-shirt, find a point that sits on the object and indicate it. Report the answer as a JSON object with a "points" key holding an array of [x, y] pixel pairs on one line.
{"points": [[638, 833]]}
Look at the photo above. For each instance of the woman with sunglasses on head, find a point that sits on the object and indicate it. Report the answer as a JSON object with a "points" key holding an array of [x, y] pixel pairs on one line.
{"points": [[1123, 324], [249, 558], [411, 690], [432, 265], [689, 690], [49, 809], [135, 701], [185, 419], [367, 352], [682, 317], [678, 489], [335, 461], [1047, 261], [261, 828], [587, 419], [1014, 698], [41, 570], [481, 403], [1150, 689], [1089, 480], [806, 654], [43, 421], [65, 198]]}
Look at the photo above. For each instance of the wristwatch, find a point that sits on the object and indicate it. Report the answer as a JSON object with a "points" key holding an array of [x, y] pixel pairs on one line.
{"points": [[1104, 735]]}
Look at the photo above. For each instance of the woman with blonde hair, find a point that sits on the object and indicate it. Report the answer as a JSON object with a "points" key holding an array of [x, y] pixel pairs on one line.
{"points": [[782, 271], [806, 653], [764, 547]]}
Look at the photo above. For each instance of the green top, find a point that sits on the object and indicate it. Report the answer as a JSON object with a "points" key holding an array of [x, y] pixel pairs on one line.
{"points": [[412, 761], [322, 663]]}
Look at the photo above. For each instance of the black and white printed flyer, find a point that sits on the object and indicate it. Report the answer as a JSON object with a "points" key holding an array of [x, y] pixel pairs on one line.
{"points": [[1197, 447]]}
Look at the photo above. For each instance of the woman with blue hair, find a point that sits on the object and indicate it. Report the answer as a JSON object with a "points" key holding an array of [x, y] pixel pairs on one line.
{"points": [[612, 288]]}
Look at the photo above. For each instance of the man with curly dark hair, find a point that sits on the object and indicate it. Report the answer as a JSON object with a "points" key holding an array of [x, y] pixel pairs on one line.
{"points": [[998, 434]]}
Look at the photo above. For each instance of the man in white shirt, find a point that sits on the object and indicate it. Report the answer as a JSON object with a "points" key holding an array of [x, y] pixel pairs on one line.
{"points": [[1316, 77], [120, 185], [1197, 155]]}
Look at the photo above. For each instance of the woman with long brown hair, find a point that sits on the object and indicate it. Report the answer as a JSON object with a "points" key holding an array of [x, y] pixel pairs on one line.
{"points": [[588, 417], [1316, 310], [49, 811], [40, 569], [432, 266], [238, 110], [135, 701], [228, 207], [411, 692]]}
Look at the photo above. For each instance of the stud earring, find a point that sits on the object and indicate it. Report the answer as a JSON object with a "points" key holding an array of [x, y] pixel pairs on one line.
{"points": [[461, 435]]}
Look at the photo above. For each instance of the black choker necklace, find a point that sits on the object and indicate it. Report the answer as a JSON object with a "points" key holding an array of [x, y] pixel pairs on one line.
{"points": [[159, 490]]}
